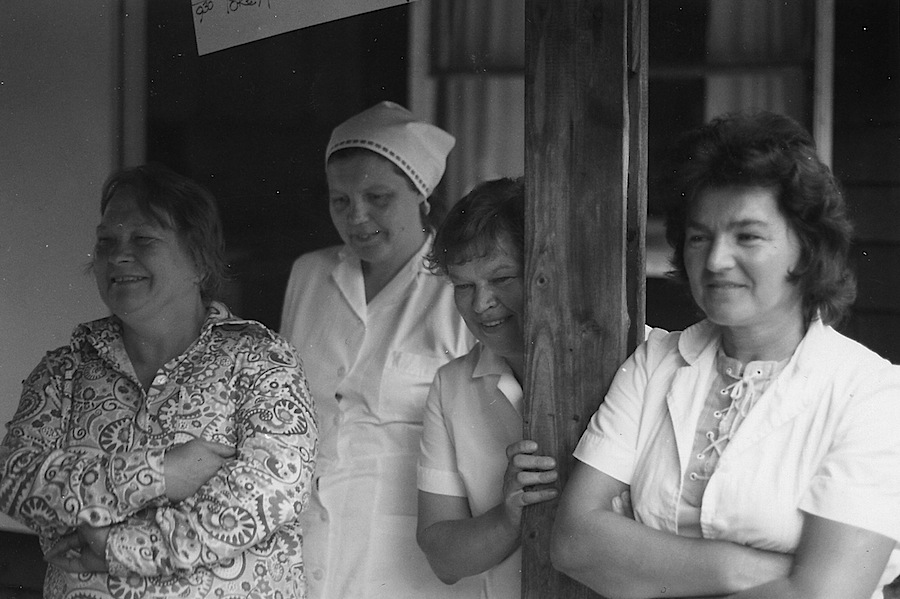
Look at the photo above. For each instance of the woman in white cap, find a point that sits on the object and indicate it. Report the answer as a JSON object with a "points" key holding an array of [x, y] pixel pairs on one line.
{"points": [[372, 325]]}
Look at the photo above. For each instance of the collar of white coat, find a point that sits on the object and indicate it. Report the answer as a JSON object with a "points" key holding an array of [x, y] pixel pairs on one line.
{"points": [[413, 265], [491, 364], [813, 348]]}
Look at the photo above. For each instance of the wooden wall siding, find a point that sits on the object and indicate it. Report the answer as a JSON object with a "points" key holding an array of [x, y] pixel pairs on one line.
{"points": [[875, 211], [577, 164], [867, 162]]}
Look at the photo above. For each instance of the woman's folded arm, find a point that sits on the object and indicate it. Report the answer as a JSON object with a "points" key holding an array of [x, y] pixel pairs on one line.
{"points": [[621, 558]]}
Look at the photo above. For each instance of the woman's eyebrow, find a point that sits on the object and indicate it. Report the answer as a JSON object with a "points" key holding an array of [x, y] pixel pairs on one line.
{"points": [[735, 224]]}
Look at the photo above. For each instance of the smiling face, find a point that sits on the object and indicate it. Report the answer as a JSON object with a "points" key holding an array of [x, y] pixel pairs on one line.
{"points": [[142, 268], [375, 209], [490, 296], [738, 253]]}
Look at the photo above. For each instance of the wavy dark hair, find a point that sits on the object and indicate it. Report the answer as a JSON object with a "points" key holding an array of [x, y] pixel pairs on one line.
{"points": [[474, 224], [173, 199], [773, 151]]}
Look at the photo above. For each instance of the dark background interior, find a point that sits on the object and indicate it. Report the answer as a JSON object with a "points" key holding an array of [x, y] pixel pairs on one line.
{"points": [[251, 123]]}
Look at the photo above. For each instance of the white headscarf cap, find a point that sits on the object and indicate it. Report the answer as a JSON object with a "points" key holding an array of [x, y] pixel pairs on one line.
{"points": [[418, 148]]}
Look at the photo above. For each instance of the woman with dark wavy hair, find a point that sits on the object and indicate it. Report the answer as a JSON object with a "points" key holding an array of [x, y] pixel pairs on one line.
{"points": [[755, 453]]}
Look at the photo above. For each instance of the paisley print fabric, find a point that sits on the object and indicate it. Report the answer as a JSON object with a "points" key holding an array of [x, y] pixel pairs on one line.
{"points": [[87, 445]]}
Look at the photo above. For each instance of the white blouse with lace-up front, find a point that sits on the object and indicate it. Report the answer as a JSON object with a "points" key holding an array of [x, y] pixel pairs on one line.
{"points": [[734, 391]]}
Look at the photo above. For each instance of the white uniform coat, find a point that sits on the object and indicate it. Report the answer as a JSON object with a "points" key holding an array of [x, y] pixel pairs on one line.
{"points": [[474, 411], [369, 368], [822, 439]]}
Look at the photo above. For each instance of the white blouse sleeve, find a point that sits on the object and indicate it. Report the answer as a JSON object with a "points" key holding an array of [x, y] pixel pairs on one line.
{"points": [[610, 442], [437, 471]]}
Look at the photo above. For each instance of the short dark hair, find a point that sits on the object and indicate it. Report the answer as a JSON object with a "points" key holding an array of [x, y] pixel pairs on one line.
{"points": [[472, 227], [430, 219], [161, 192], [773, 151]]}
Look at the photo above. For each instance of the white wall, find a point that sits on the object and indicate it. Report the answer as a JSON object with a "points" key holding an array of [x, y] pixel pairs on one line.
{"points": [[58, 126]]}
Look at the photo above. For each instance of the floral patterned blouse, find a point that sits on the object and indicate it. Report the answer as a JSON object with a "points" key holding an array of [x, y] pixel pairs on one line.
{"points": [[87, 446]]}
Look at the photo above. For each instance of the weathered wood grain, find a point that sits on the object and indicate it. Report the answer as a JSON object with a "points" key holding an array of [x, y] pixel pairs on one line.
{"points": [[585, 96]]}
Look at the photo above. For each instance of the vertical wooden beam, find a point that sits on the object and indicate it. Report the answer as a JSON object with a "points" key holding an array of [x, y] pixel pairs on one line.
{"points": [[580, 60], [636, 237]]}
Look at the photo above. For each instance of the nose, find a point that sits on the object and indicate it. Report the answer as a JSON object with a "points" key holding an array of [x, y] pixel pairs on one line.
{"points": [[720, 256], [484, 299], [358, 212], [116, 251]]}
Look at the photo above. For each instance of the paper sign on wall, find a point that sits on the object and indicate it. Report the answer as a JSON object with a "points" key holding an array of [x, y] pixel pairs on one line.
{"points": [[220, 24]]}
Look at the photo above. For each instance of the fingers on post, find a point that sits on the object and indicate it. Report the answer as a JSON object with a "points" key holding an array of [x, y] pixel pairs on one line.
{"points": [[519, 447], [544, 477], [538, 496], [534, 462]]}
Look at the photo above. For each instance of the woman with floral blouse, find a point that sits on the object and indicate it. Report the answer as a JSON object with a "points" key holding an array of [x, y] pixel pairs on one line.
{"points": [[168, 449]]}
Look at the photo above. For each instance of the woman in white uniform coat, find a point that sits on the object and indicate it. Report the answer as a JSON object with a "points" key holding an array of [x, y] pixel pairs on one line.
{"points": [[759, 446], [372, 325]]}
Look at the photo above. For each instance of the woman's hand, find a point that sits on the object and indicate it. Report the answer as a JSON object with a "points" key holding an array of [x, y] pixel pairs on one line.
{"points": [[83, 550], [621, 504], [458, 545], [189, 465], [523, 471]]}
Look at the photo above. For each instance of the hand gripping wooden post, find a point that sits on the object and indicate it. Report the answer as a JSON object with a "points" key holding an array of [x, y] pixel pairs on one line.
{"points": [[585, 173]]}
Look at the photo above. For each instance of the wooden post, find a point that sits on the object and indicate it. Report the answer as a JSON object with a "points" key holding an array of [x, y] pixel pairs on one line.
{"points": [[636, 237], [581, 61]]}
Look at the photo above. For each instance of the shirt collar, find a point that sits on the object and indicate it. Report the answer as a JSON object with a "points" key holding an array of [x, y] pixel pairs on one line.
{"points": [[105, 334], [696, 339], [415, 264], [704, 335], [814, 348], [491, 364]]}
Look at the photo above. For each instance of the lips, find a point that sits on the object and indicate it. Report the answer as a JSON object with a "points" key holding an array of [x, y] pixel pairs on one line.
{"points": [[126, 279], [365, 237], [491, 324]]}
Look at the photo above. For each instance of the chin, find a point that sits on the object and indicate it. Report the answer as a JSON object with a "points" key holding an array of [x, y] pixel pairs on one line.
{"points": [[505, 350], [728, 321], [373, 254]]}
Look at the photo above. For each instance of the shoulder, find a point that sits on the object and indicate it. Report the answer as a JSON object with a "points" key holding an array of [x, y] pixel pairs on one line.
{"points": [[460, 368], [661, 340], [82, 345], [827, 351], [56, 363], [658, 346], [317, 260], [87, 337], [845, 346], [848, 381], [658, 358], [249, 334], [455, 386], [236, 336]]}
